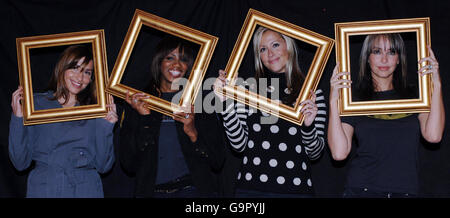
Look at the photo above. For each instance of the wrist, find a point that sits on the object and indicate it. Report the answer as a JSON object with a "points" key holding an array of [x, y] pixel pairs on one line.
{"points": [[193, 136], [436, 86], [191, 133], [334, 104]]}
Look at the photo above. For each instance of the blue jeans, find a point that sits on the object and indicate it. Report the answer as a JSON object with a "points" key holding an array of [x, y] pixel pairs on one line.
{"points": [[245, 193], [367, 193]]}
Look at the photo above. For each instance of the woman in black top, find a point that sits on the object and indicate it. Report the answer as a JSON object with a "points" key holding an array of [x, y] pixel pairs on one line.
{"points": [[385, 163], [171, 159], [276, 153]]}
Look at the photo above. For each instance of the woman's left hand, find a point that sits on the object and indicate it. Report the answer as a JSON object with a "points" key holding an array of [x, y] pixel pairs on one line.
{"points": [[432, 68], [309, 109], [187, 118], [112, 113]]}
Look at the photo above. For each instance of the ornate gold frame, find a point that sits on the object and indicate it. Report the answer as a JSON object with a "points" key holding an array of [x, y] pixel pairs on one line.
{"points": [[97, 39], [421, 26], [324, 46], [207, 45]]}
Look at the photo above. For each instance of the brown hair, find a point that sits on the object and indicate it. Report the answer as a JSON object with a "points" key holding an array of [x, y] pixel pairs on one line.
{"points": [[68, 60]]}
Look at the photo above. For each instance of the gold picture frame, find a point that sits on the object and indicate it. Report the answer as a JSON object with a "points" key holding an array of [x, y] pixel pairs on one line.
{"points": [[324, 47], [97, 40], [348, 107], [207, 45]]}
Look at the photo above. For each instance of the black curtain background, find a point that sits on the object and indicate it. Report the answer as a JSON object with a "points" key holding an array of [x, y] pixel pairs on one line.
{"points": [[223, 19]]}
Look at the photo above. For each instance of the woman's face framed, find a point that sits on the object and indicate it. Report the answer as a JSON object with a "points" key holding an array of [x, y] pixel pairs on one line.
{"points": [[349, 45], [313, 49], [37, 57], [132, 70]]}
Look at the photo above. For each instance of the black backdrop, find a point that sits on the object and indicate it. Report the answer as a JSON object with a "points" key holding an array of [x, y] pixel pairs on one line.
{"points": [[224, 20]]}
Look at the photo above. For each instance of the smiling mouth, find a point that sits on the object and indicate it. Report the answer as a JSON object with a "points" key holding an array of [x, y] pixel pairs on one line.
{"points": [[383, 68], [175, 73], [76, 84], [273, 61]]}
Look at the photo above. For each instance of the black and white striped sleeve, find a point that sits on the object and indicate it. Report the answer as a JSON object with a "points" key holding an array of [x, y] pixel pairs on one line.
{"points": [[313, 136], [235, 123]]}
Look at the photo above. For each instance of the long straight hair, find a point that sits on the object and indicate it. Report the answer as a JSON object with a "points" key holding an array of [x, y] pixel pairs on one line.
{"points": [[294, 76], [365, 83], [68, 60]]}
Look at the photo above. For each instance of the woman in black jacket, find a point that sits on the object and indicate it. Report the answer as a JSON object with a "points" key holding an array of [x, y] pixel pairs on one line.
{"points": [[172, 157]]}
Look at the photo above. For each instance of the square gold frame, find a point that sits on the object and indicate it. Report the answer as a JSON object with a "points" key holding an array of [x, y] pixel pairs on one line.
{"points": [[97, 39], [207, 45], [421, 26], [324, 46]]}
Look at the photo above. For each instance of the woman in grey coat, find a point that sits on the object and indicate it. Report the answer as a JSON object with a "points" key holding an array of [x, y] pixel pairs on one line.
{"points": [[68, 155]]}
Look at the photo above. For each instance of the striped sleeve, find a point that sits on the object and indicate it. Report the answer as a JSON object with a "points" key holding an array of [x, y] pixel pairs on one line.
{"points": [[313, 136], [235, 123]]}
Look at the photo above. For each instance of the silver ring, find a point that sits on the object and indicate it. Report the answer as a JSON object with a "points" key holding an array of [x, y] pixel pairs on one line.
{"points": [[429, 67], [135, 100], [186, 116]]}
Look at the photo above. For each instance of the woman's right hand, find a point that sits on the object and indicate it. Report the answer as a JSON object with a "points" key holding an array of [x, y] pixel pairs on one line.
{"points": [[220, 82], [336, 83], [136, 103], [16, 104]]}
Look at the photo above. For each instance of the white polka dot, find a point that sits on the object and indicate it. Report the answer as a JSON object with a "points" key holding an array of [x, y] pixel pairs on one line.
{"points": [[298, 149], [239, 176], [280, 180], [274, 129], [256, 127], [250, 144], [290, 164], [266, 145], [309, 182], [304, 166], [245, 160], [264, 114], [297, 181], [282, 146], [256, 161], [273, 163], [292, 130], [263, 178], [248, 176]]}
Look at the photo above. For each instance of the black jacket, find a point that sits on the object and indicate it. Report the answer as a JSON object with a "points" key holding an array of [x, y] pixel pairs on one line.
{"points": [[139, 137]]}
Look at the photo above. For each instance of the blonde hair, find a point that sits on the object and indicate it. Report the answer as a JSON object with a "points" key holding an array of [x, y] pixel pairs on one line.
{"points": [[294, 76]]}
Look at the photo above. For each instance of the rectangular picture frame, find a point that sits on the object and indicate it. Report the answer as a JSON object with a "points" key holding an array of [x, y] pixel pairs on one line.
{"points": [[324, 47], [97, 40], [207, 45], [348, 107]]}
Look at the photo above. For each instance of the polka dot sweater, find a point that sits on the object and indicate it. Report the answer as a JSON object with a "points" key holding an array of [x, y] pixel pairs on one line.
{"points": [[275, 156]]}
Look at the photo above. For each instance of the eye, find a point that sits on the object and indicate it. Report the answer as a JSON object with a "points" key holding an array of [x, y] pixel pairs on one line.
{"points": [[261, 50], [76, 67], [392, 52], [184, 60], [276, 44], [88, 72], [376, 51]]}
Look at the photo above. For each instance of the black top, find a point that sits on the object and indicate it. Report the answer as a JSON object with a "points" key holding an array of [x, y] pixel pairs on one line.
{"points": [[386, 151], [139, 148]]}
